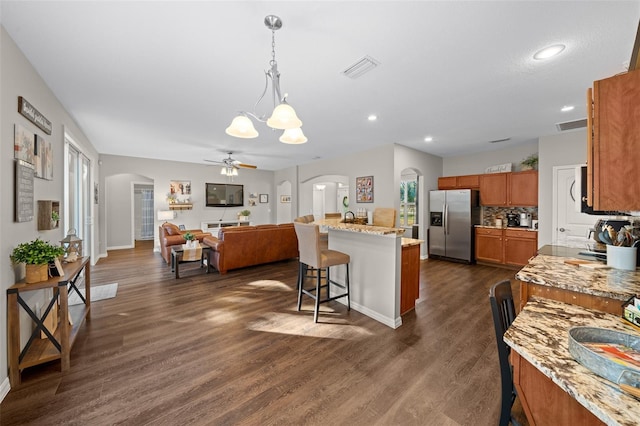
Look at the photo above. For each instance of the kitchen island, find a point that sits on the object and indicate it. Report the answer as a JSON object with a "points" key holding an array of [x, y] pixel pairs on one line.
{"points": [[555, 295], [375, 268]]}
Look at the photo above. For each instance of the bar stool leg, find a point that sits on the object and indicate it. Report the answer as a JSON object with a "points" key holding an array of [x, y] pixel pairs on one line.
{"points": [[328, 283], [318, 284], [301, 269], [348, 290]]}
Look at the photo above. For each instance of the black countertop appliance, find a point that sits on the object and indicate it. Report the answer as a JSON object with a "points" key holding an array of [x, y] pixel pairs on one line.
{"points": [[513, 220]]}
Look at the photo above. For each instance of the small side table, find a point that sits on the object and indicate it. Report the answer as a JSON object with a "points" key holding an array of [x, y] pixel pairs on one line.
{"points": [[177, 253]]}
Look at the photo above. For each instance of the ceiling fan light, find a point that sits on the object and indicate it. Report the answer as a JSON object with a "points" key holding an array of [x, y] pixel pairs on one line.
{"points": [[284, 117], [293, 136], [242, 127]]}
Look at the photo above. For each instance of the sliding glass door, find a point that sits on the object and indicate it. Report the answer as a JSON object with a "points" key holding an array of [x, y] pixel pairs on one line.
{"points": [[78, 195]]}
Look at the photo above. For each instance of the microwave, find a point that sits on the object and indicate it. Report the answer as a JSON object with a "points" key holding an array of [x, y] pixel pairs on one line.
{"points": [[581, 192]]}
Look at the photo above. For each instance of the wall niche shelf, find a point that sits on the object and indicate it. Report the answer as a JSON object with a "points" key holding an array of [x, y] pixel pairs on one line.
{"points": [[180, 206], [45, 209]]}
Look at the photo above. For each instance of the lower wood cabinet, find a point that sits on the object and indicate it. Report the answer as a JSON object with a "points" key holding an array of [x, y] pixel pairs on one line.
{"points": [[508, 246], [489, 245], [409, 277]]}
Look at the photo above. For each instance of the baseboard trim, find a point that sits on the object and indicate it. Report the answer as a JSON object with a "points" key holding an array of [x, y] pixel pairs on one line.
{"points": [[5, 387], [388, 321], [120, 247]]}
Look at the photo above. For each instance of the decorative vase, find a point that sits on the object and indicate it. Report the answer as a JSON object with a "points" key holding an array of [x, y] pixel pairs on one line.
{"points": [[192, 244], [36, 273]]}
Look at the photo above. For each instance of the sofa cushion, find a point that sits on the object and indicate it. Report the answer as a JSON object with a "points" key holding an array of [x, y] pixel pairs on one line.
{"points": [[171, 229]]}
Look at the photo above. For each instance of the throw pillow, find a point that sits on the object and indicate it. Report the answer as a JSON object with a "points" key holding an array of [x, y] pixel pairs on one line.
{"points": [[171, 229]]}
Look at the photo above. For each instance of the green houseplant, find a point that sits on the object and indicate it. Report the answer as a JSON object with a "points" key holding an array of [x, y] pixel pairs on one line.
{"points": [[244, 214], [189, 236], [36, 255], [530, 163], [55, 217]]}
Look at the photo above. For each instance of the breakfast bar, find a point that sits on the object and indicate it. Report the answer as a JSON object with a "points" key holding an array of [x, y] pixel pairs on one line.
{"points": [[557, 293], [376, 264]]}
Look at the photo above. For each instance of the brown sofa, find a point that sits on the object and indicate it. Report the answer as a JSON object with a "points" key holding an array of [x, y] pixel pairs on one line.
{"points": [[242, 246], [171, 235]]}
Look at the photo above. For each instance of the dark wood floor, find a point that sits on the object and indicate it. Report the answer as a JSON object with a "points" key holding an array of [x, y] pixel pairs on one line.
{"points": [[223, 350]]}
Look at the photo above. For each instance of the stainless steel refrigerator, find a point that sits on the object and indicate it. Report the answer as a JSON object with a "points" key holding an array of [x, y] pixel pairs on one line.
{"points": [[452, 216]]}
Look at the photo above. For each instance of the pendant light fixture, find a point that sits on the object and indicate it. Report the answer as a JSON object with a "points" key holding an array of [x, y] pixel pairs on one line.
{"points": [[283, 116]]}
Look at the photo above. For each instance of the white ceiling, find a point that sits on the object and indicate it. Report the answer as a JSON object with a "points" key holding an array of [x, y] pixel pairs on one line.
{"points": [[163, 79]]}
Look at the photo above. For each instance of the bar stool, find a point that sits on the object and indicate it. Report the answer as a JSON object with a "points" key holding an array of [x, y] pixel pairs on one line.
{"points": [[313, 256]]}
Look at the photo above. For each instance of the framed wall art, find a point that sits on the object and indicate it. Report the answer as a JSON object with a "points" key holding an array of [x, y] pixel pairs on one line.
{"points": [[180, 190], [43, 159], [24, 144], [364, 189], [285, 198], [264, 198]]}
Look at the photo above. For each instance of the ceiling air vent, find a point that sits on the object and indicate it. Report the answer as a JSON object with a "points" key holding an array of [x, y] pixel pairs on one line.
{"points": [[362, 66], [571, 125]]}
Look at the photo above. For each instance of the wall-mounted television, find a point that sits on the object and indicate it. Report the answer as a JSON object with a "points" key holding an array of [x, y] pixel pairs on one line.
{"points": [[224, 195]]}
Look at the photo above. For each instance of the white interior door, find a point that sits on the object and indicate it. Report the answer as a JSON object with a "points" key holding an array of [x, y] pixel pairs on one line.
{"points": [[570, 227]]}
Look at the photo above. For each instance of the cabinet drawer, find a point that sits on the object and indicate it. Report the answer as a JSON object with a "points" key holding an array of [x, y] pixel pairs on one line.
{"points": [[520, 233], [496, 232]]}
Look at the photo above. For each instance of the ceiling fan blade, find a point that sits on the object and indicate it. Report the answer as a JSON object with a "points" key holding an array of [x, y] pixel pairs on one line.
{"points": [[246, 166], [213, 161]]}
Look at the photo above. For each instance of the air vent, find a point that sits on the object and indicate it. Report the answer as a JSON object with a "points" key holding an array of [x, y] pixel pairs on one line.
{"points": [[571, 125], [500, 140], [362, 66]]}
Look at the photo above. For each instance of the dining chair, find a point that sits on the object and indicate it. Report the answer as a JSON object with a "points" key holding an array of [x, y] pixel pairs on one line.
{"points": [[322, 260], [503, 310]]}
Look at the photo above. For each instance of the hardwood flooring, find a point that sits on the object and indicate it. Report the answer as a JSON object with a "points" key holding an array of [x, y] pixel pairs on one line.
{"points": [[226, 350]]}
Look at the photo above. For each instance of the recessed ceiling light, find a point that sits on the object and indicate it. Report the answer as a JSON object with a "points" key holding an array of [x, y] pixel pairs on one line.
{"points": [[428, 139], [567, 108], [548, 52], [372, 117]]}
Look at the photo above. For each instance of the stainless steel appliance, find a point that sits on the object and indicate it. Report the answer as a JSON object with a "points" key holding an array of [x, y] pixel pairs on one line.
{"points": [[525, 219], [452, 216]]}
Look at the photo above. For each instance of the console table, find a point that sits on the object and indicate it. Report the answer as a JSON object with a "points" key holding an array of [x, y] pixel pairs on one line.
{"points": [[57, 344], [213, 226]]}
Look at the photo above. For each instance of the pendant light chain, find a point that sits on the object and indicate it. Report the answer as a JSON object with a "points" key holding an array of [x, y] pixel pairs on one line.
{"points": [[273, 47]]}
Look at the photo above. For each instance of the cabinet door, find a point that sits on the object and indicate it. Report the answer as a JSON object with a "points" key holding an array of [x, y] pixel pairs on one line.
{"points": [[409, 278], [468, 182], [616, 138], [489, 245], [523, 189], [518, 251], [447, 182], [493, 189]]}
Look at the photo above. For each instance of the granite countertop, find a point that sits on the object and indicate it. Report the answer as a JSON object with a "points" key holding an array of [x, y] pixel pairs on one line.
{"points": [[407, 242], [551, 271], [540, 335], [367, 229]]}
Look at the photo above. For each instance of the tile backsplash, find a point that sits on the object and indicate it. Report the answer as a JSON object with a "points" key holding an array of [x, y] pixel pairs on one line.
{"points": [[490, 214]]}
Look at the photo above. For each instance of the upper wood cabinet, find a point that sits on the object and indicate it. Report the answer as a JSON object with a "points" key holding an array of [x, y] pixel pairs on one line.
{"points": [[493, 189], [459, 182], [518, 189], [613, 141], [522, 189]]}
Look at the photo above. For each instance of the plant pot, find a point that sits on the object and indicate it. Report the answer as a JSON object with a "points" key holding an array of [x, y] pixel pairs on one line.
{"points": [[525, 167], [192, 244], [36, 273]]}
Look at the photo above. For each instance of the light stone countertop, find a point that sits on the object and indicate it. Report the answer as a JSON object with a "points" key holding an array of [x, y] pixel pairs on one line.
{"points": [[407, 242], [367, 229], [540, 335], [551, 271], [517, 228]]}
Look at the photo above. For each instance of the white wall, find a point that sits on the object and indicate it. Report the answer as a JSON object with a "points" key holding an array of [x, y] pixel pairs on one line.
{"points": [[477, 163], [19, 78], [120, 210], [557, 150], [122, 170]]}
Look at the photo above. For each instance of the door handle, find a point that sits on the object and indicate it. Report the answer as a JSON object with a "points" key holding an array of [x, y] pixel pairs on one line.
{"points": [[562, 229]]}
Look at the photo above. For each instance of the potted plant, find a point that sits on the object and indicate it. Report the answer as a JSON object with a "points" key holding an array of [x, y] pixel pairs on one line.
{"points": [[529, 163], [190, 238], [36, 255], [55, 217], [244, 214]]}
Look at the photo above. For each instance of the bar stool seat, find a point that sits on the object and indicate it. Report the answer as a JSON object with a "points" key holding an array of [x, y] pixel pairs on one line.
{"points": [[320, 259]]}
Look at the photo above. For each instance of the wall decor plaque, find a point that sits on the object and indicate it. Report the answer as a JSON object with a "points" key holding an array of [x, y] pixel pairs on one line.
{"points": [[33, 115], [364, 189], [24, 191]]}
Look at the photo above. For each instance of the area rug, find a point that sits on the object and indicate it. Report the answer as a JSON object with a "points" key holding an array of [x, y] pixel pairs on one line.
{"points": [[99, 292]]}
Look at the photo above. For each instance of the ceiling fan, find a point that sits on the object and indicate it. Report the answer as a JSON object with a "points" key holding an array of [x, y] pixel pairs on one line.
{"points": [[231, 165]]}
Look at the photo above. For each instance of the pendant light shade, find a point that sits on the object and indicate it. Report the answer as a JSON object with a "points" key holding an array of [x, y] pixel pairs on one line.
{"points": [[229, 171], [242, 127], [284, 117], [293, 136]]}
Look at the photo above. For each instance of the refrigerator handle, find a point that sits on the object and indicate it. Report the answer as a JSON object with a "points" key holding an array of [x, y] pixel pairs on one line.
{"points": [[446, 219]]}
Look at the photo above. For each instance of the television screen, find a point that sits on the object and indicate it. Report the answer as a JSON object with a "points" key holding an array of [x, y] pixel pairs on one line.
{"points": [[224, 195]]}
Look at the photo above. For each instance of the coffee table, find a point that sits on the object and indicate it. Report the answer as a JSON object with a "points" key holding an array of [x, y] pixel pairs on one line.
{"points": [[177, 253]]}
